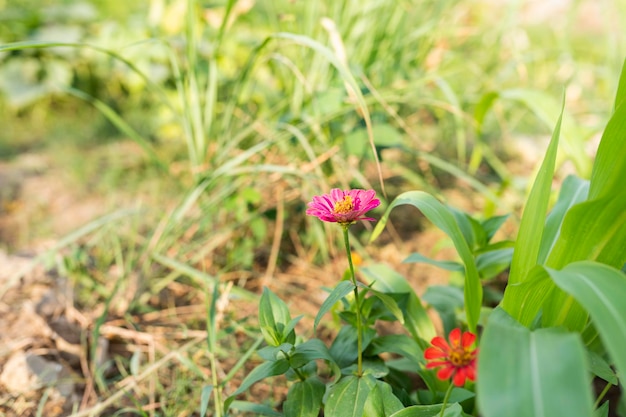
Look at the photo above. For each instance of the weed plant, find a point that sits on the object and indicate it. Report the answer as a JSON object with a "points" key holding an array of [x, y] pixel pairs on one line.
{"points": [[242, 114]]}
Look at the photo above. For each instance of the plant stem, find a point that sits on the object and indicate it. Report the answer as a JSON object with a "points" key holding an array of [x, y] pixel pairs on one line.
{"points": [[602, 394], [359, 330], [445, 400]]}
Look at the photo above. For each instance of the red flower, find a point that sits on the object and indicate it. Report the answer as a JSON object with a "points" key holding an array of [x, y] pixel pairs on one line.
{"points": [[343, 207], [456, 360]]}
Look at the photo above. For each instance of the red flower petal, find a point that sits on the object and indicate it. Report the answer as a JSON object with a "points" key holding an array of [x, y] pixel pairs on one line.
{"points": [[441, 343], [445, 372], [468, 339], [455, 338], [459, 378], [433, 353]]}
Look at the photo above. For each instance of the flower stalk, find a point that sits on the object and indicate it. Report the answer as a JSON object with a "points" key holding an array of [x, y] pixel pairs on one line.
{"points": [[359, 323]]}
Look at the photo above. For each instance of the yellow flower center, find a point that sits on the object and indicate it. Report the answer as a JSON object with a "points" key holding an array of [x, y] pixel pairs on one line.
{"points": [[460, 357], [344, 206]]}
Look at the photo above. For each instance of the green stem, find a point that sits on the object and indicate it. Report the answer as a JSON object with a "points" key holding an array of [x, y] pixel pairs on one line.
{"points": [[602, 394], [359, 330], [445, 400]]}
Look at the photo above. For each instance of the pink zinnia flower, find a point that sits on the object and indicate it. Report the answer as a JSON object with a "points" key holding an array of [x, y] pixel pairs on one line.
{"points": [[457, 360], [343, 207]]}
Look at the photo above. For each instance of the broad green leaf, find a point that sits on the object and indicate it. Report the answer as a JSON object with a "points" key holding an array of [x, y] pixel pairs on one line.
{"points": [[531, 374], [381, 401], [441, 217], [447, 265], [304, 398], [344, 347], [573, 191], [341, 290], [526, 253], [347, 397], [274, 318], [384, 279], [264, 370], [601, 290]]}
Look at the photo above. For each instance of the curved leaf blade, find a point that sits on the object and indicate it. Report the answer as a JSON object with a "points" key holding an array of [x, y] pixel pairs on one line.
{"points": [[341, 290], [442, 217]]}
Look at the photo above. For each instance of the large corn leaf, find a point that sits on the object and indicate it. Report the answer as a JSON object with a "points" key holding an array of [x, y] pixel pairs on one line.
{"points": [[531, 374], [601, 290]]}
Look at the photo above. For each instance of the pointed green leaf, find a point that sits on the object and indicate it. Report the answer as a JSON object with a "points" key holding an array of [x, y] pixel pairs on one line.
{"points": [[620, 97], [383, 278], [573, 191], [381, 402], [255, 409], [204, 399], [341, 290], [347, 397], [304, 398], [442, 217], [447, 265], [452, 410], [609, 167], [388, 302], [531, 374], [264, 370], [524, 300], [526, 253], [273, 318]]}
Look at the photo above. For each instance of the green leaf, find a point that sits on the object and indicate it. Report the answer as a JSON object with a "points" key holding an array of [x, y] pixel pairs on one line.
{"points": [[447, 265], [446, 300], [341, 290], [600, 368], [609, 168], [491, 263], [573, 191], [620, 96], [304, 398], [536, 374], [399, 344], [388, 302], [602, 411], [526, 253], [601, 290], [256, 409], [381, 401], [384, 279], [442, 217], [347, 397], [524, 300], [264, 370], [204, 399], [493, 224], [309, 351], [452, 410], [274, 318]]}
